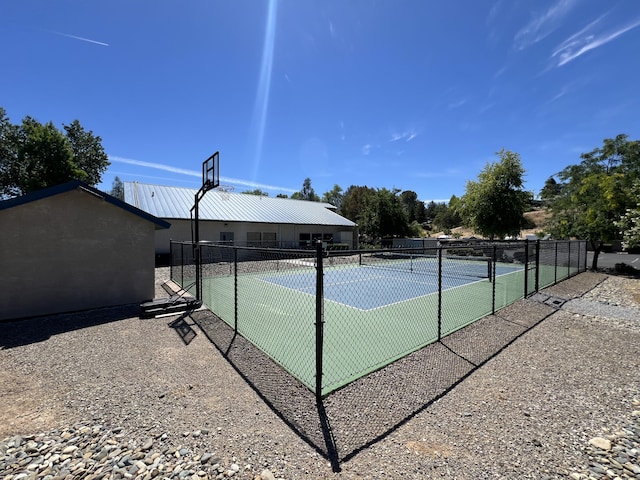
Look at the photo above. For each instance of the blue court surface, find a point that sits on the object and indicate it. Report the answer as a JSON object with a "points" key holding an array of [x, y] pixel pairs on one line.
{"points": [[368, 288]]}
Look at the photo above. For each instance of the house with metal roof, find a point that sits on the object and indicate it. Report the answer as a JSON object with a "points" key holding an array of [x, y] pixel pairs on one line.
{"points": [[241, 219], [72, 247]]}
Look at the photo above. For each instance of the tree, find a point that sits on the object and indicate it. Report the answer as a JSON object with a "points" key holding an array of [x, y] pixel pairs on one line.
{"points": [[45, 157], [629, 223], [257, 191], [88, 153], [378, 213], [596, 193], [354, 202], [494, 205], [550, 191], [414, 208], [117, 189], [35, 156], [8, 157], [333, 196], [447, 216], [307, 192], [384, 215], [282, 195]]}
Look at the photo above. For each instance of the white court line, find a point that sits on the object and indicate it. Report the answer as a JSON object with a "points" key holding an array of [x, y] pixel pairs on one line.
{"points": [[635, 260]]}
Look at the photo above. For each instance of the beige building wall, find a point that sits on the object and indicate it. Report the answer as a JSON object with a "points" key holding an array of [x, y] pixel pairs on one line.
{"points": [[73, 251]]}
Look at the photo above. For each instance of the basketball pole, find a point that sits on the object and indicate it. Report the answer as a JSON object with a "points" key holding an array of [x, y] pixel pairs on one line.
{"points": [[210, 180]]}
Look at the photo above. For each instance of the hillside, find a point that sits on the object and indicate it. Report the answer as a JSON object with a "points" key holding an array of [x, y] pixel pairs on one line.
{"points": [[538, 217]]}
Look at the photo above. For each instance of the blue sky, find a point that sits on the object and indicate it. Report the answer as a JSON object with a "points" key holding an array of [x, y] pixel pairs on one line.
{"points": [[416, 95]]}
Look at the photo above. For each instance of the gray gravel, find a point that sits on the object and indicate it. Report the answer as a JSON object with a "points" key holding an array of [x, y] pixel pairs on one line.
{"points": [[518, 395]]}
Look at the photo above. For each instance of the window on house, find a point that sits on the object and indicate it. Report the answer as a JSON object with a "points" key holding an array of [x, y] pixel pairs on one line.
{"points": [[269, 239], [253, 239], [305, 239]]}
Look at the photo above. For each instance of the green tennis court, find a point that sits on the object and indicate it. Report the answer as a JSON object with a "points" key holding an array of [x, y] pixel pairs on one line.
{"points": [[371, 316], [277, 311]]}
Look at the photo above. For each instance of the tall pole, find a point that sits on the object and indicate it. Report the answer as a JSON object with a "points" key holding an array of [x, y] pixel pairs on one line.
{"points": [[319, 319], [196, 250]]}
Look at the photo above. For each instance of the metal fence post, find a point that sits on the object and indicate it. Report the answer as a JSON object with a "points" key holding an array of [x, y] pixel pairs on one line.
{"points": [[439, 293], [235, 288], [170, 259], [526, 268], [537, 265], [319, 319], [555, 266], [492, 279]]}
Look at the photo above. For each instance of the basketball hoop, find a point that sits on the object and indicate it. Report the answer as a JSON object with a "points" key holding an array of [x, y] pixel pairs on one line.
{"points": [[210, 180]]}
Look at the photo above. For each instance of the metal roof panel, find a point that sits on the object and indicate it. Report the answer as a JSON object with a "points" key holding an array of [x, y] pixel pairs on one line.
{"points": [[176, 202]]}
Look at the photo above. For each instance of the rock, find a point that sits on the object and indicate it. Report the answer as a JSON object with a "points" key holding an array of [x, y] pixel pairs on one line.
{"points": [[601, 443], [267, 475]]}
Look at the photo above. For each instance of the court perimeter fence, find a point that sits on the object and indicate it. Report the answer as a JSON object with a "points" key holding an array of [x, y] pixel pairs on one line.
{"points": [[330, 317]]}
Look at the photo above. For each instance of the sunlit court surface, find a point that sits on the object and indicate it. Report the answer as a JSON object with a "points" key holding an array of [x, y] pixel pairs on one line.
{"points": [[375, 307]]}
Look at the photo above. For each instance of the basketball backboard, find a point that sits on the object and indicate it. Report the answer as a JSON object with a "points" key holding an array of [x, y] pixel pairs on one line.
{"points": [[211, 172]]}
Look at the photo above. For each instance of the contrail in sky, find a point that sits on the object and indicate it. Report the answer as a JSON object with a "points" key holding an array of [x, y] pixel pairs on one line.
{"points": [[81, 38], [194, 173]]}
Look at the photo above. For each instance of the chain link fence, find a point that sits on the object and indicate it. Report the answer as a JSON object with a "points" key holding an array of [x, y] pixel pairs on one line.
{"points": [[331, 317]]}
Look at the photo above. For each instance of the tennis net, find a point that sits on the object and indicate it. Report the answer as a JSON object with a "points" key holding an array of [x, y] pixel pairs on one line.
{"points": [[452, 265]]}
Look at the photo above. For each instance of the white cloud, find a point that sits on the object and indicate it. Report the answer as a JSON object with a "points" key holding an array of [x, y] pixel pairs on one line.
{"points": [[457, 104], [589, 38], [366, 149], [407, 136], [542, 25]]}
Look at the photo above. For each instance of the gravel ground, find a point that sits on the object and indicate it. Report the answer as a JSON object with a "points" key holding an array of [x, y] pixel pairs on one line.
{"points": [[104, 394]]}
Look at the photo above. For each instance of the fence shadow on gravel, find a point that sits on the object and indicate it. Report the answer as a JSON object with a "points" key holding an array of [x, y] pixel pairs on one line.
{"points": [[16, 333], [369, 409]]}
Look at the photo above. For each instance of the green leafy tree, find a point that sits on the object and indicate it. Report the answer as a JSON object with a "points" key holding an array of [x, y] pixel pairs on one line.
{"points": [[384, 215], [413, 207], [333, 196], [35, 156], [354, 202], [629, 223], [494, 205], [117, 189], [257, 191], [596, 193], [550, 191], [307, 192], [88, 154], [45, 157], [9, 171], [447, 217], [432, 209], [282, 195]]}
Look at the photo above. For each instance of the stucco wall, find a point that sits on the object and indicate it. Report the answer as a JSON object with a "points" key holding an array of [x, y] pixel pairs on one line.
{"points": [[73, 251]]}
